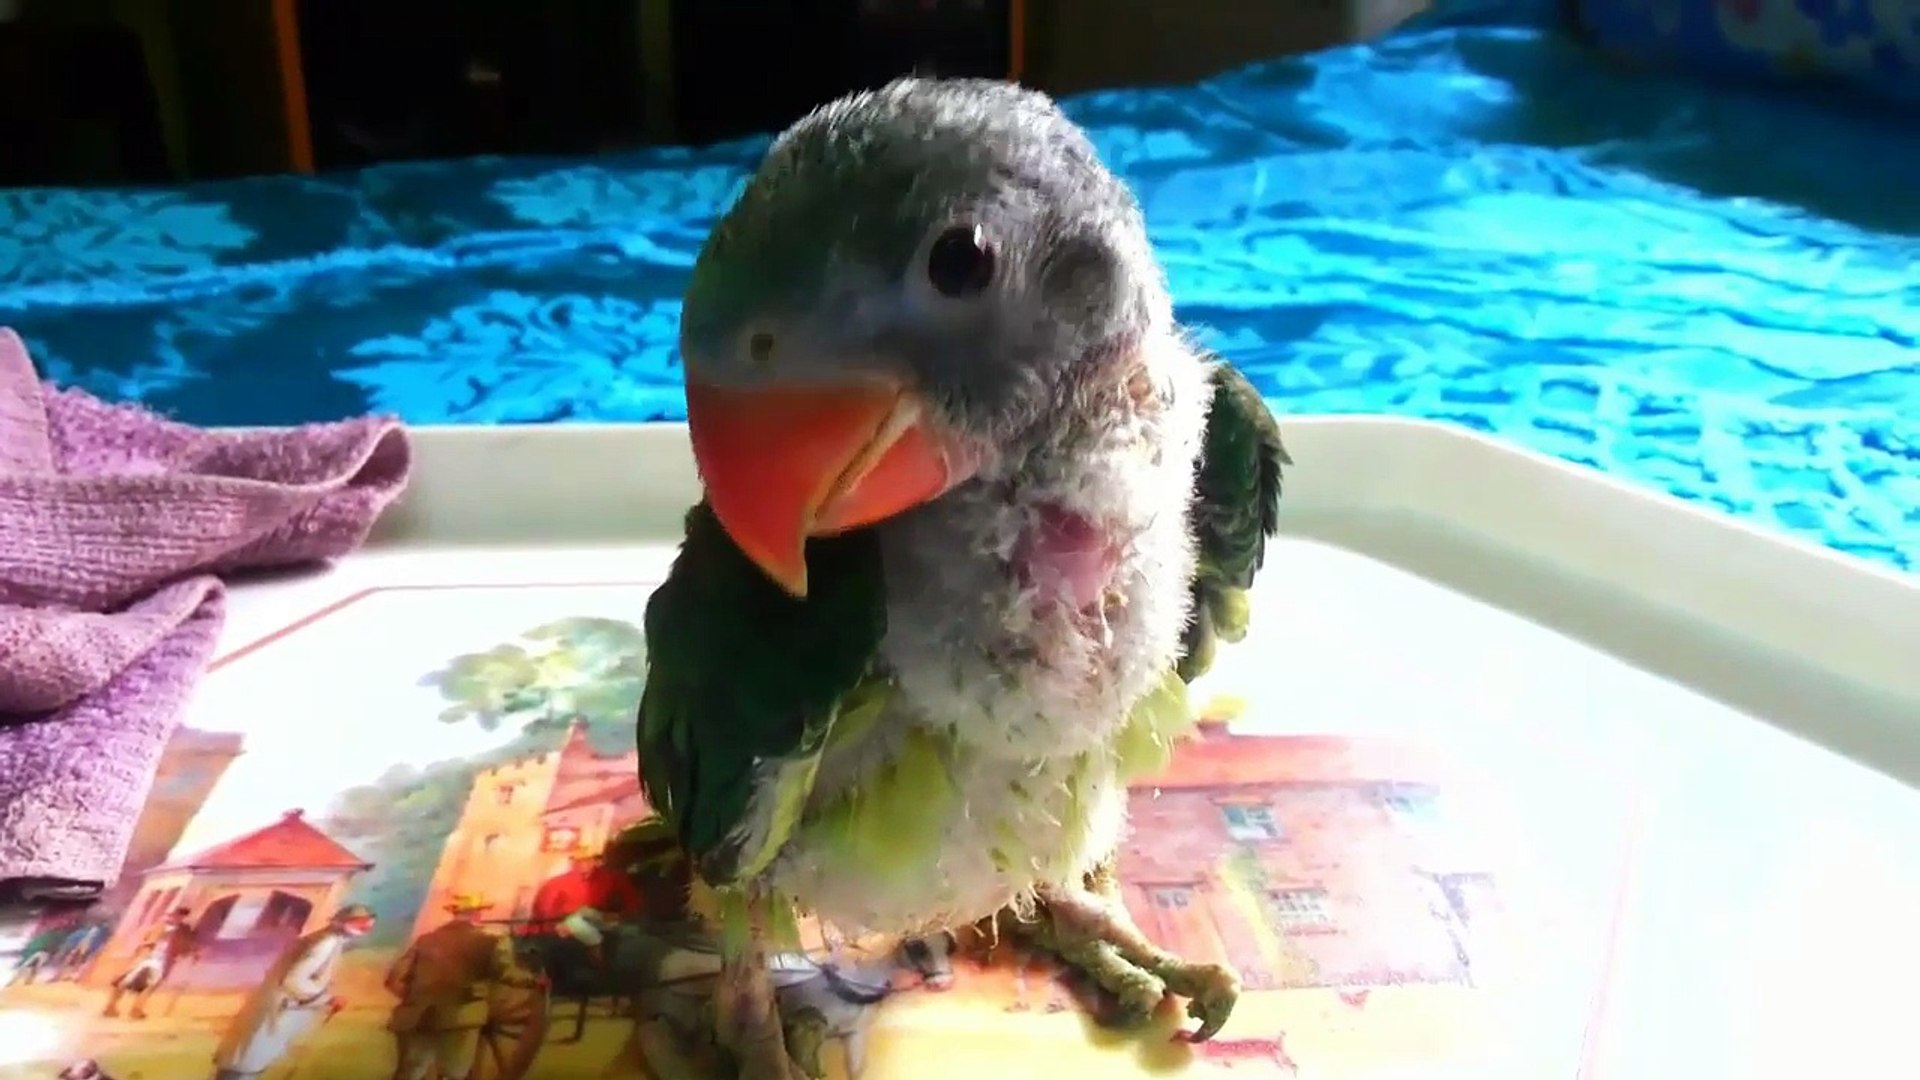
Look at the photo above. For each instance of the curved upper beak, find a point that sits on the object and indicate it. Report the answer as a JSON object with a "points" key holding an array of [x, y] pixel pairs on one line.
{"points": [[782, 465]]}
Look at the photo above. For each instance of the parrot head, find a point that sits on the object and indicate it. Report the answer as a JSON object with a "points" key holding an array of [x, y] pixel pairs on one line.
{"points": [[910, 292]]}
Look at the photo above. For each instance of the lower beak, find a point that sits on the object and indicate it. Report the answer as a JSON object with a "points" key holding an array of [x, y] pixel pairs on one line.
{"points": [[780, 466]]}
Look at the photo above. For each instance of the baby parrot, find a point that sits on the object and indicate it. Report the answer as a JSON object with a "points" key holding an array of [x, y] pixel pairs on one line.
{"points": [[975, 510]]}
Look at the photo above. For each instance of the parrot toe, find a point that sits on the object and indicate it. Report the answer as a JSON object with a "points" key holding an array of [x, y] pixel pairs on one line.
{"points": [[660, 1046], [806, 1037], [1133, 994], [1089, 929], [1211, 992], [764, 1041]]}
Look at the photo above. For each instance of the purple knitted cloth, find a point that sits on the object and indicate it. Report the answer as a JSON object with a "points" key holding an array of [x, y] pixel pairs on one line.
{"points": [[113, 525]]}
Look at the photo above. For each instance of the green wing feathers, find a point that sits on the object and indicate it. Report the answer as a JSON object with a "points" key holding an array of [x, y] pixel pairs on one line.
{"points": [[744, 684], [1236, 508]]}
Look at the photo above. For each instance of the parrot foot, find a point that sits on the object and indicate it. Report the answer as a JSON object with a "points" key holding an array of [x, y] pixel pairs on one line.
{"points": [[792, 1051], [1136, 992], [747, 1021], [806, 1037], [1211, 990], [1090, 930], [659, 1050], [771, 1061]]}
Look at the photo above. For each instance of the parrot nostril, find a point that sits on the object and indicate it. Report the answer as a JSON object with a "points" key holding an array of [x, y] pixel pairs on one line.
{"points": [[760, 348]]}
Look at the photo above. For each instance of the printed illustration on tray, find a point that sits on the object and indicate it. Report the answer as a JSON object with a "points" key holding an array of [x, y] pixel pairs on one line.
{"points": [[406, 839]]}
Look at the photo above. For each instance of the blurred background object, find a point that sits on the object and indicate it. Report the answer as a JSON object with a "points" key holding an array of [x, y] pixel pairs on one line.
{"points": [[77, 104], [107, 91]]}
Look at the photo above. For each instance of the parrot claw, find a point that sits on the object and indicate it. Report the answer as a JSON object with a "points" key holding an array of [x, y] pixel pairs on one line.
{"points": [[764, 1042], [795, 1055], [1211, 992], [806, 1038], [1135, 992], [1092, 932]]}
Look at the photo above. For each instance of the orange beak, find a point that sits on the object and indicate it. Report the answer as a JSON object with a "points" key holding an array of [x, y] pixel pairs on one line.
{"points": [[783, 465]]}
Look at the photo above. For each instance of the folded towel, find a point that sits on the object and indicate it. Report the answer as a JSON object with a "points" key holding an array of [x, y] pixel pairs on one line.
{"points": [[113, 525]]}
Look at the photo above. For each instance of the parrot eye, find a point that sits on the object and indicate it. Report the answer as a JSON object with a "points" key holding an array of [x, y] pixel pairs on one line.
{"points": [[960, 262]]}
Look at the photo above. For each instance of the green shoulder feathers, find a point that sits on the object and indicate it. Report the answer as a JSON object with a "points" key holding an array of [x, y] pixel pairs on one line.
{"points": [[1236, 507], [743, 686]]}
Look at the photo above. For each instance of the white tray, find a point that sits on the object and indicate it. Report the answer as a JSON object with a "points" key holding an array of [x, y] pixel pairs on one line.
{"points": [[1686, 746]]}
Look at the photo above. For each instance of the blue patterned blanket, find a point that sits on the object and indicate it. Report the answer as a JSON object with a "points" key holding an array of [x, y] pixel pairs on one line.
{"points": [[1707, 290]]}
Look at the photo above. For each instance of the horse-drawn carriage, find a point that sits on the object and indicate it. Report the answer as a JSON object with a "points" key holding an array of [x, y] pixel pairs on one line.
{"points": [[575, 970], [512, 1034], [657, 977], [575, 983], [653, 972]]}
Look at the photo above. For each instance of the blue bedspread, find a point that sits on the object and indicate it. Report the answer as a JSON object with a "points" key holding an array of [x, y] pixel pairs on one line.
{"points": [[1711, 291]]}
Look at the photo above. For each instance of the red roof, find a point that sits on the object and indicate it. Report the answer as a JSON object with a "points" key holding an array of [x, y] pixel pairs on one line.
{"points": [[1215, 757], [288, 844], [577, 747]]}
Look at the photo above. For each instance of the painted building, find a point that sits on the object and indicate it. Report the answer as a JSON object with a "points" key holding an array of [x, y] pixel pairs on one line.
{"points": [[524, 819], [1309, 861], [1302, 860], [246, 899]]}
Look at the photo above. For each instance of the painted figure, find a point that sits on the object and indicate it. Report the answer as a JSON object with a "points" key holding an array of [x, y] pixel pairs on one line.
{"points": [[842, 1000], [929, 958], [37, 955], [676, 966], [77, 949], [587, 883], [153, 960], [648, 853], [550, 937], [442, 981], [294, 997]]}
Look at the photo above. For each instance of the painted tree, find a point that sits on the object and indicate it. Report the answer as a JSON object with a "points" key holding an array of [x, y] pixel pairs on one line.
{"points": [[590, 669], [571, 667]]}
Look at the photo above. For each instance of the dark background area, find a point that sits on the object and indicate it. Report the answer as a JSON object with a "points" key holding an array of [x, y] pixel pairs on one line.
{"points": [[154, 91]]}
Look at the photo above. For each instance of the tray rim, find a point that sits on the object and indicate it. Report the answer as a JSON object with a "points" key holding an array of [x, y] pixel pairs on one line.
{"points": [[1835, 634]]}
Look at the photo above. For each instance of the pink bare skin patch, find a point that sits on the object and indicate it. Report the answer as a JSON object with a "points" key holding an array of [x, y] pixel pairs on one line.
{"points": [[1067, 560]]}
